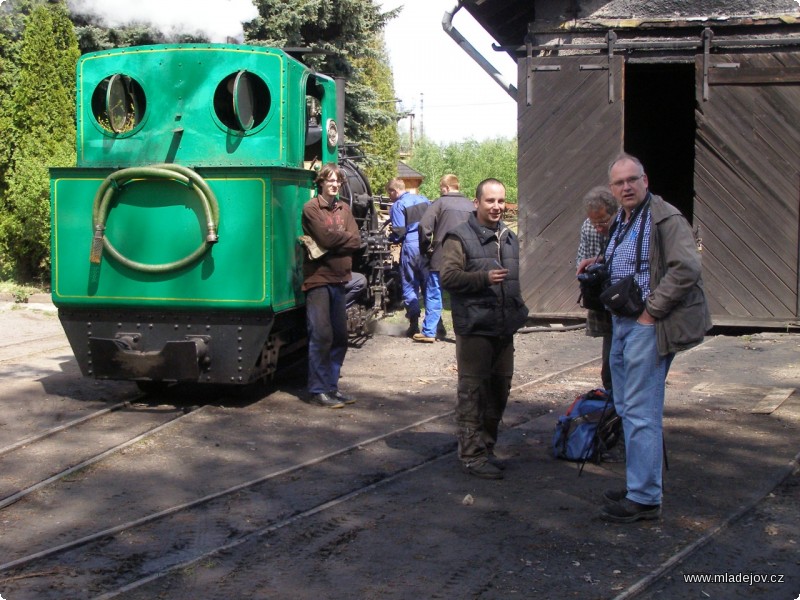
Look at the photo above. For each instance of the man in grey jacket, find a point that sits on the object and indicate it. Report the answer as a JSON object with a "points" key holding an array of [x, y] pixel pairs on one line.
{"points": [[450, 210], [653, 244]]}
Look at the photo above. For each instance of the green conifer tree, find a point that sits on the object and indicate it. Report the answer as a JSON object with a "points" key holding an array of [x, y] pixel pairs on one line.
{"points": [[42, 113], [380, 142]]}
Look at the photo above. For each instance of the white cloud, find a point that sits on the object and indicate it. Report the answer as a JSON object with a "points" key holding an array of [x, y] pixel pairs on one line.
{"points": [[216, 19]]}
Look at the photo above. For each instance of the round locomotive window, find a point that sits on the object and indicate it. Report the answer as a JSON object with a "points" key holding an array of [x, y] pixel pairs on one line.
{"points": [[333, 133], [118, 103], [242, 101]]}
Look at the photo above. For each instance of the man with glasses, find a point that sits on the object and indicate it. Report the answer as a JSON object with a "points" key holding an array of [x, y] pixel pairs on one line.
{"points": [[331, 225], [600, 207], [652, 243]]}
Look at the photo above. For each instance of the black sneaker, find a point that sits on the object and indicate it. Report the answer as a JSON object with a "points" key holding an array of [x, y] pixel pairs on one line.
{"points": [[325, 400], [611, 497], [484, 470], [337, 395], [615, 455], [628, 511]]}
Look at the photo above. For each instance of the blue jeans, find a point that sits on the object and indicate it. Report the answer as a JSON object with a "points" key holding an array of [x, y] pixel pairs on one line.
{"points": [[326, 321], [417, 278], [639, 375], [433, 304]]}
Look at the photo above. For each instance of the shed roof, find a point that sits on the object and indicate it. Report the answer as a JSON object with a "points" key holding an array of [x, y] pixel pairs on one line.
{"points": [[510, 21], [406, 172]]}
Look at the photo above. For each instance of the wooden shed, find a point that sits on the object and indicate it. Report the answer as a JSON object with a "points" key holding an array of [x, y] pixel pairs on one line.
{"points": [[706, 94]]}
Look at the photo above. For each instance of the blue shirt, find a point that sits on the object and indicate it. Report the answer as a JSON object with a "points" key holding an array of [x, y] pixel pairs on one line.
{"points": [[405, 215], [622, 245]]}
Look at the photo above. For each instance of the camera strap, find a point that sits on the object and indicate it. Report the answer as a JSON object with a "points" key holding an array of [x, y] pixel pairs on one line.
{"points": [[640, 210]]}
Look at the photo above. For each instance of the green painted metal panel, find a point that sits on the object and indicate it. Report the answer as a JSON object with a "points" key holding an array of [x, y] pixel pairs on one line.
{"points": [[180, 89], [286, 273], [160, 221]]}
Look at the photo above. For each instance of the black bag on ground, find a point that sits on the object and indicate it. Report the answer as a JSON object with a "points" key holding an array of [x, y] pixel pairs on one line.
{"points": [[589, 428]]}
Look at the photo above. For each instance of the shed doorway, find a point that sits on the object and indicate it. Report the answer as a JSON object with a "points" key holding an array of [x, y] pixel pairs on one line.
{"points": [[659, 128]]}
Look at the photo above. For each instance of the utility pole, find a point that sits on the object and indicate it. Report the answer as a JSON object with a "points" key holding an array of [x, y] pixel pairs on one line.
{"points": [[411, 135], [421, 116]]}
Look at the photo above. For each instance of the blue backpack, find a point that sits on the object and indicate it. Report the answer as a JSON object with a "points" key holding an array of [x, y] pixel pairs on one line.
{"points": [[590, 427]]}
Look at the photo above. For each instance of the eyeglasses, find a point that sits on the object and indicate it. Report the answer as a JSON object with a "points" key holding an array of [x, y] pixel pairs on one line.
{"points": [[601, 223], [629, 181], [334, 180]]}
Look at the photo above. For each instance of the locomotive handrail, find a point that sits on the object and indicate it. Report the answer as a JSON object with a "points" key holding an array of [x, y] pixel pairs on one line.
{"points": [[119, 179]]}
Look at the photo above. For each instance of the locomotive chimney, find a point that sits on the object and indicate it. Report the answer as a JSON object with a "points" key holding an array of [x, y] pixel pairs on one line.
{"points": [[340, 85]]}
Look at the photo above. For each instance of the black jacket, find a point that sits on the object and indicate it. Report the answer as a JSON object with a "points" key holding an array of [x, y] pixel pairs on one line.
{"points": [[478, 307]]}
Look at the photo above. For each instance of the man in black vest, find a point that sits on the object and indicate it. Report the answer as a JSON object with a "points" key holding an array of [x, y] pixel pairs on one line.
{"points": [[480, 269]]}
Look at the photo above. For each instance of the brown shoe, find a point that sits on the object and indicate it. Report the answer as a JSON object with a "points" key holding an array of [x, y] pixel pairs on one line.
{"points": [[421, 337]]}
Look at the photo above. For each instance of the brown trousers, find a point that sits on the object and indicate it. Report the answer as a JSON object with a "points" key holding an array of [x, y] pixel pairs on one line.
{"points": [[485, 368]]}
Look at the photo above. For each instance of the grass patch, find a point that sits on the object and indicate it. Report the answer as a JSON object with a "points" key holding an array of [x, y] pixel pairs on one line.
{"points": [[20, 293], [399, 315]]}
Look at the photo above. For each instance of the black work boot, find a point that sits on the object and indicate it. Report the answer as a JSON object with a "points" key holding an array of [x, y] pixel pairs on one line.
{"points": [[413, 327], [474, 457], [483, 469], [489, 437]]}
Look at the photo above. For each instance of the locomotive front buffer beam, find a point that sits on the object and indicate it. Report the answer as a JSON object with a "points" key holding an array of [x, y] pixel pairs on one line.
{"points": [[210, 347], [120, 358]]}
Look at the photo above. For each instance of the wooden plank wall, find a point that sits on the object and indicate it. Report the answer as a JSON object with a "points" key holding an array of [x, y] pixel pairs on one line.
{"points": [[747, 185], [567, 137]]}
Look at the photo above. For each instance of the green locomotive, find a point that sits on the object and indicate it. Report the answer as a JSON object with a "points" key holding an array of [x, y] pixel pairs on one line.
{"points": [[174, 239]]}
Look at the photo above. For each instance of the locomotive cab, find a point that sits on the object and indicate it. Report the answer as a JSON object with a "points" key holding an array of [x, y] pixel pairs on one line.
{"points": [[174, 239]]}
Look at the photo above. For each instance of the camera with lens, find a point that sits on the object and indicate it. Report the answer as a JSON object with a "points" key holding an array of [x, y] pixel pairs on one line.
{"points": [[592, 282], [594, 274]]}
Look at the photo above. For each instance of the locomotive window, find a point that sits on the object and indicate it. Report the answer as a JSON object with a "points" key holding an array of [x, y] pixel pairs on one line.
{"points": [[118, 103], [313, 150], [242, 101]]}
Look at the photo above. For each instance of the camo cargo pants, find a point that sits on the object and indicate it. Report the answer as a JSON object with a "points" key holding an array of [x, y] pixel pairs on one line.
{"points": [[485, 368]]}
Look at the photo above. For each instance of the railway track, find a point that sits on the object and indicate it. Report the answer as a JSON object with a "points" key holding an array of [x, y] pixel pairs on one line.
{"points": [[273, 498], [158, 543], [48, 457], [17, 350]]}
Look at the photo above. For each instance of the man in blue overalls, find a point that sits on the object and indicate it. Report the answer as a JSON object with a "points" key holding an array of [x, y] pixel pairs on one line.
{"points": [[407, 210]]}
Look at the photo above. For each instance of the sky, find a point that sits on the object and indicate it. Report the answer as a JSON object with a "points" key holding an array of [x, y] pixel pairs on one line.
{"points": [[453, 98]]}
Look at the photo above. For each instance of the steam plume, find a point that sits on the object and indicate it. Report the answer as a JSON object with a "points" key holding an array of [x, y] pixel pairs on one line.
{"points": [[218, 20]]}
